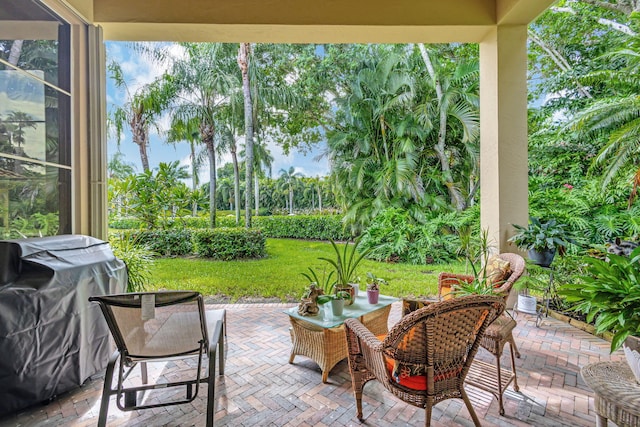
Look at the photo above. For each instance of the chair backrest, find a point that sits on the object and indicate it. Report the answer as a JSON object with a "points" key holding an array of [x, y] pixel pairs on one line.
{"points": [[154, 325], [448, 281], [517, 264], [442, 338]]}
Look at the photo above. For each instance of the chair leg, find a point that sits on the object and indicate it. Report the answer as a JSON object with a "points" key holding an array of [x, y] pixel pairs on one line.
{"points": [[500, 391], [513, 365], [428, 411], [106, 390], [211, 388], [514, 347], [143, 372], [472, 412], [221, 346]]}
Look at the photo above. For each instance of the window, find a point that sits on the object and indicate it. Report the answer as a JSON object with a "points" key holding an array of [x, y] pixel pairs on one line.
{"points": [[35, 121]]}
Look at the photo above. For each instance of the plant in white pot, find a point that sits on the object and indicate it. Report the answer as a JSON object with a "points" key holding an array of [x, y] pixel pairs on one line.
{"points": [[609, 294], [541, 239]]}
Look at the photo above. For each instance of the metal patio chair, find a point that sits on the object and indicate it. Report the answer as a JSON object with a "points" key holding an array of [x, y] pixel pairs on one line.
{"points": [[156, 327]]}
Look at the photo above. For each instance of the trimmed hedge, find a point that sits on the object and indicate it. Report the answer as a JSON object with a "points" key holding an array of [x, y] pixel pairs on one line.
{"points": [[317, 227], [229, 243], [163, 242]]}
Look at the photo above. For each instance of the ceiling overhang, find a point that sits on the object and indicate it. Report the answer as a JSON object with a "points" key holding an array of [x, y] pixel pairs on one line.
{"points": [[306, 21]]}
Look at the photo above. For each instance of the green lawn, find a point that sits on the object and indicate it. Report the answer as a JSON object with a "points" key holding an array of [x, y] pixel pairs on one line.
{"points": [[278, 275]]}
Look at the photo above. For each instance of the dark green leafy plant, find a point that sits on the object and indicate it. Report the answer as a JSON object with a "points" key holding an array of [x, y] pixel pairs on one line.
{"points": [[609, 294], [541, 236]]}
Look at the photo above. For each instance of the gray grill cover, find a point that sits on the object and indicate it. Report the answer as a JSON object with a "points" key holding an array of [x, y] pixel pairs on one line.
{"points": [[51, 337]]}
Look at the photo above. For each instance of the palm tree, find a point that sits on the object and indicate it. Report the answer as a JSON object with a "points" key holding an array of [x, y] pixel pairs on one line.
{"points": [[289, 178], [204, 79], [141, 110], [374, 149], [262, 159], [244, 55], [456, 98], [118, 168], [189, 131], [616, 116]]}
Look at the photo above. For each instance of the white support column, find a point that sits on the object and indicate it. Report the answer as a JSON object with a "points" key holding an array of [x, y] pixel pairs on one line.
{"points": [[503, 133]]}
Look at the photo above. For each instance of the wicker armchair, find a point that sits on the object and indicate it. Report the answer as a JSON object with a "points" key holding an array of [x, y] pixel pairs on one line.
{"points": [[498, 333], [426, 356]]}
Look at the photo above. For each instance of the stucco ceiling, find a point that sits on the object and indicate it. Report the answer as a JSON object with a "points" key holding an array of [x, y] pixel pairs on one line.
{"points": [[306, 21]]}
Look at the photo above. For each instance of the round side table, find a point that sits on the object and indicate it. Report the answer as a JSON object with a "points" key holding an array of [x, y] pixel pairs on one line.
{"points": [[617, 393]]}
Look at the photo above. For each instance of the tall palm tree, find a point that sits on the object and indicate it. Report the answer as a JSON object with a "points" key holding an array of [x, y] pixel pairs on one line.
{"points": [[204, 78], [263, 160], [244, 57], [141, 110]]}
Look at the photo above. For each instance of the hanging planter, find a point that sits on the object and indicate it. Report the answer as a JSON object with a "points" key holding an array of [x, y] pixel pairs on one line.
{"points": [[542, 258]]}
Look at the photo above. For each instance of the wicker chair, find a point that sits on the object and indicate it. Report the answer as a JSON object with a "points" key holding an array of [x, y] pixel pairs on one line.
{"points": [[436, 344], [498, 333], [160, 326]]}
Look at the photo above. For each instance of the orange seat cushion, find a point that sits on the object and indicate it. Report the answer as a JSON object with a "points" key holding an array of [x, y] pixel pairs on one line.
{"points": [[402, 373]]}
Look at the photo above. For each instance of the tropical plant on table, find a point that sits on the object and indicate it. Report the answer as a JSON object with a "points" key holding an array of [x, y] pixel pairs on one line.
{"points": [[345, 264], [609, 294]]}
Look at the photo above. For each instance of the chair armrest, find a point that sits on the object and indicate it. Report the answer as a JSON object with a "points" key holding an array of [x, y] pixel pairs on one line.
{"points": [[363, 335], [365, 350]]}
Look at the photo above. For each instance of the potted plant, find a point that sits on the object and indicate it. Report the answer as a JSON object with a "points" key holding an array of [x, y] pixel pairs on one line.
{"points": [[373, 287], [541, 239], [338, 301], [345, 264], [609, 293]]}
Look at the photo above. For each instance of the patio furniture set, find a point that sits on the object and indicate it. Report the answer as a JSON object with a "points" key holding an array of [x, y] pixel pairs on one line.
{"points": [[427, 357]]}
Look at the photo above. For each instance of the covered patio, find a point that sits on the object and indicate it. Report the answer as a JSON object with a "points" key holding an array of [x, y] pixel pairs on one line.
{"points": [[260, 387]]}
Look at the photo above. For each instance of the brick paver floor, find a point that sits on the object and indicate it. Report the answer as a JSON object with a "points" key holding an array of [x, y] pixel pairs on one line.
{"points": [[261, 388]]}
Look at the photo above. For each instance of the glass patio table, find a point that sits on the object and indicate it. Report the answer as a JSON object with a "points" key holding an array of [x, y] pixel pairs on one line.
{"points": [[322, 338]]}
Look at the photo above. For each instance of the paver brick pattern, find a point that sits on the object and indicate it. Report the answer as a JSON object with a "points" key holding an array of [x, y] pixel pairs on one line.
{"points": [[260, 387]]}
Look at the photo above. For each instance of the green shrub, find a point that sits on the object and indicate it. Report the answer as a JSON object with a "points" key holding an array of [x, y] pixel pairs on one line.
{"points": [[138, 259], [165, 242], [394, 235], [125, 224], [229, 243], [317, 227]]}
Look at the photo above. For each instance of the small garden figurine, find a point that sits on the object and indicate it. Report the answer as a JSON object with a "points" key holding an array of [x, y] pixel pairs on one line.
{"points": [[373, 287], [309, 303]]}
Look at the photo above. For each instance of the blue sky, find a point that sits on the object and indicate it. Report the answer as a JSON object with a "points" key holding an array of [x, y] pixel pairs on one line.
{"points": [[139, 70]]}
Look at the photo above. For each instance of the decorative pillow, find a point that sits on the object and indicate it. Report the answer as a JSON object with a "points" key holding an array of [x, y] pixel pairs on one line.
{"points": [[497, 270]]}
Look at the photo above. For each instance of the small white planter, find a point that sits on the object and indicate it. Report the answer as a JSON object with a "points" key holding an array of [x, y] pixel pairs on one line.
{"points": [[526, 304]]}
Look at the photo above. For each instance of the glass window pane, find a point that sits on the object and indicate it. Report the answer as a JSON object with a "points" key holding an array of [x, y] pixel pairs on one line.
{"points": [[32, 203], [30, 117]]}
